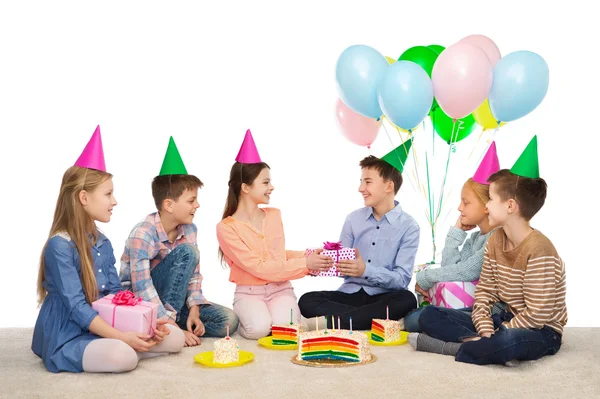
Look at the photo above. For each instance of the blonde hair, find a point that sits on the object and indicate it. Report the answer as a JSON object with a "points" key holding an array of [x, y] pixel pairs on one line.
{"points": [[71, 218], [481, 190]]}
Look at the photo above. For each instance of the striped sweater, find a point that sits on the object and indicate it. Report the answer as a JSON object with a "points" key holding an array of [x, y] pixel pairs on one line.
{"points": [[530, 279]]}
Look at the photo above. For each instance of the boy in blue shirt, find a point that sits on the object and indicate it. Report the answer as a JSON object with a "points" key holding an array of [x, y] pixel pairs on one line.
{"points": [[386, 240]]}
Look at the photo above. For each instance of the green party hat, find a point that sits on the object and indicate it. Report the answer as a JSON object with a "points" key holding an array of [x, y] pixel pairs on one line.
{"points": [[527, 165], [397, 157], [172, 164]]}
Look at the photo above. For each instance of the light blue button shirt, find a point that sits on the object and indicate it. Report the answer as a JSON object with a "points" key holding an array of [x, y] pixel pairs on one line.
{"points": [[388, 248]]}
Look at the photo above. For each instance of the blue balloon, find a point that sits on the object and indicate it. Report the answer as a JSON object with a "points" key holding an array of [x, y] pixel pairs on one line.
{"points": [[406, 94], [520, 84], [358, 72]]}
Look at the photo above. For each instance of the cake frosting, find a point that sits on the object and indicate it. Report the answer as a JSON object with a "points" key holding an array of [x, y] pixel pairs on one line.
{"points": [[226, 350]]}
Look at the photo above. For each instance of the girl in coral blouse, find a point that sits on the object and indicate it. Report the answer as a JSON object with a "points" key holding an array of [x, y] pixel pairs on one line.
{"points": [[252, 243]]}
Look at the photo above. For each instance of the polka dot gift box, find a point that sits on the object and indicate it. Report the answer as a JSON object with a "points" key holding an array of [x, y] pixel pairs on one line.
{"points": [[337, 252]]}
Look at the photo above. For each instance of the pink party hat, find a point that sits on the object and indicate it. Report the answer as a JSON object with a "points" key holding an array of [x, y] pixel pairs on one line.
{"points": [[92, 156], [488, 166], [248, 152]]}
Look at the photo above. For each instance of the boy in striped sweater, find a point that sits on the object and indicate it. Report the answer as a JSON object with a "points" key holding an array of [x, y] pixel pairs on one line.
{"points": [[521, 269]]}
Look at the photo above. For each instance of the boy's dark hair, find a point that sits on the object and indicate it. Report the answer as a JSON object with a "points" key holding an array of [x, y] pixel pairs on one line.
{"points": [[172, 186], [385, 170], [529, 193]]}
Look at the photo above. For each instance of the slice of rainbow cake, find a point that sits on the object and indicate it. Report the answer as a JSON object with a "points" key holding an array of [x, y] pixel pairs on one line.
{"points": [[342, 345], [385, 330], [285, 334]]}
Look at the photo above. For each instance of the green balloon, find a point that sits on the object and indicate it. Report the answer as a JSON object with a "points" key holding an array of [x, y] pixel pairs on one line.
{"points": [[444, 126], [425, 58], [437, 48], [421, 55]]}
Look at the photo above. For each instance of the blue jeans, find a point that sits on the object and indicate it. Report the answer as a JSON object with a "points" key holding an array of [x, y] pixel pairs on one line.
{"points": [[411, 320], [506, 344], [171, 278]]}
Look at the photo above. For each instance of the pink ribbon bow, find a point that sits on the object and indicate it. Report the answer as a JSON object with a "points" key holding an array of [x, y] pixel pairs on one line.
{"points": [[333, 246], [127, 298]]}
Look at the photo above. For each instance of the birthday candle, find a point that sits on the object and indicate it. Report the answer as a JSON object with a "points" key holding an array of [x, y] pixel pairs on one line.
{"points": [[227, 331], [339, 325], [351, 325], [332, 323], [387, 312], [291, 318], [317, 323]]}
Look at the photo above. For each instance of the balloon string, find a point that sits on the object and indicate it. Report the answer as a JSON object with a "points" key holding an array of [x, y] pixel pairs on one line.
{"points": [[432, 117], [392, 144], [453, 138], [431, 224], [487, 147]]}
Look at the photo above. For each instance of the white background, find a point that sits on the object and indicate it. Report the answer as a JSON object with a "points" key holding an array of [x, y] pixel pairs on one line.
{"points": [[205, 73]]}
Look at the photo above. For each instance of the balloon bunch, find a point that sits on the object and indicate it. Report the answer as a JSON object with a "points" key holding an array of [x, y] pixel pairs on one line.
{"points": [[459, 87]]}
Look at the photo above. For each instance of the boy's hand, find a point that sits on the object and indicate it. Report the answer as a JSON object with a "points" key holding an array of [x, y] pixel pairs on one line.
{"points": [[352, 267], [194, 324], [191, 339]]}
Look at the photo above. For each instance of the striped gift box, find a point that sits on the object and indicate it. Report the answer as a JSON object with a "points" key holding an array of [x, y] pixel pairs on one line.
{"points": [[453, 294]]}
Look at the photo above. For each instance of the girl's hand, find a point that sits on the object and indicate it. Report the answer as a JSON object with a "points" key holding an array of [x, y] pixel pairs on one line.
{"points": [[422, 292], [464, 227], [161, 331], [318, 262], [138, 341]]}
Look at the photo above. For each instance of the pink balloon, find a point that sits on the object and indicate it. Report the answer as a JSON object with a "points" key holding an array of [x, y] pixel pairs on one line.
{"points": [[462, 79], [486, 44], [357, 128]]}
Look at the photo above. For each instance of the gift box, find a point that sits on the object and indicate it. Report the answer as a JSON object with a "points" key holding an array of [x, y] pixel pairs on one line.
{"points": [[337, 252], [453, 294], [127, 313]]}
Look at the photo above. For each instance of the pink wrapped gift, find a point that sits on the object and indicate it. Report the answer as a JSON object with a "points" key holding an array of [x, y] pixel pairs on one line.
{"points": [[127, 313], [453, 294], [337, 252]]}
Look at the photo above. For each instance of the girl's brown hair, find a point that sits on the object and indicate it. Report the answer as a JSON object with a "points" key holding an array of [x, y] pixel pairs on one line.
{"points": [[71, 218], [241, 173], [481, 190]]}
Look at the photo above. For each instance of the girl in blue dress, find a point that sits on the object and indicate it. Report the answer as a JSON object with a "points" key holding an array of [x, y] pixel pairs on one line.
{"points": [[77, 266]]}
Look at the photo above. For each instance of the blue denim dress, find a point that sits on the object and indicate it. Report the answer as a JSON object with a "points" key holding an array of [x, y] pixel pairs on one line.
{"points": [[61, 330]]}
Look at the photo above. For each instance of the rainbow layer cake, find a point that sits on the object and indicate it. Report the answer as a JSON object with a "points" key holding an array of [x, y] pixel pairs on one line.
{"points": [[285, 334], [385, 330], [343, 345], [226, 350]]}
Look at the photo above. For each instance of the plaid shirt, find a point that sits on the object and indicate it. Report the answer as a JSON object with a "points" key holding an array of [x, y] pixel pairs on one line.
{"points": [[147, 245]]}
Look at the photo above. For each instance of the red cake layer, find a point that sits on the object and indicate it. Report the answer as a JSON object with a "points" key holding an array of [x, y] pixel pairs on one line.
{"points": [[378, 325], [329, 339], [284, 329]]}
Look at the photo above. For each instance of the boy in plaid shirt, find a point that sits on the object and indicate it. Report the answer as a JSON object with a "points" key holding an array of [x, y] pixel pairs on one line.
{"points": [[160, 262]]}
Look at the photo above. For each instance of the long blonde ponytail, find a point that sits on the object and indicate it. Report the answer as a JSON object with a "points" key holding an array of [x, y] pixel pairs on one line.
{"points": [[71, 218]]}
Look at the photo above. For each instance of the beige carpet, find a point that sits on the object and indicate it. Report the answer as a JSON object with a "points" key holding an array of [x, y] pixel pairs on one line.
{"points": [[399, 372]]}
